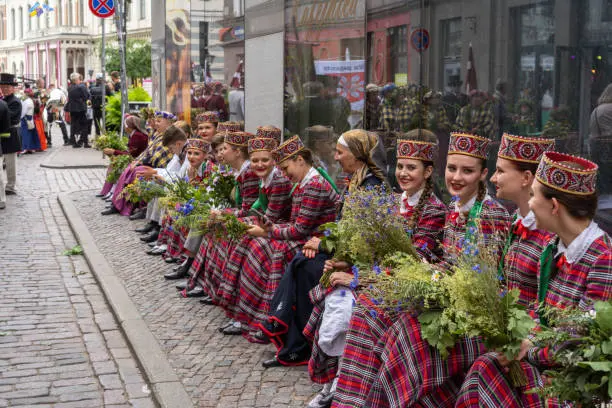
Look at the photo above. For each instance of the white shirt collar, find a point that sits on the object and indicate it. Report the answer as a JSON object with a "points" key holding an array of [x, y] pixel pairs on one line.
{"points": [[311, 173], [412, 200], [528, 221], [243, 168], [577, 248], [268, 180]]}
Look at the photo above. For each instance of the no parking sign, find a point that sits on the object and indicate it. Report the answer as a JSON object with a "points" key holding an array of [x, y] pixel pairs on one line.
{"points": [[102, 8], [419, 39]]}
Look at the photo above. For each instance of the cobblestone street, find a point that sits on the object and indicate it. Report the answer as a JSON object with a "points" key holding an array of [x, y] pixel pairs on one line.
{"points": [[61, 346]]}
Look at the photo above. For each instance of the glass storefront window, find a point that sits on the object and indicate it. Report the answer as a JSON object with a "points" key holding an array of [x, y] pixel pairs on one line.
{"points": [[217, 54]]}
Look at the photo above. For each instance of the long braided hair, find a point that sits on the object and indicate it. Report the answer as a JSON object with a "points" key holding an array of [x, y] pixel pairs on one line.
{"points": [[421, 135]]}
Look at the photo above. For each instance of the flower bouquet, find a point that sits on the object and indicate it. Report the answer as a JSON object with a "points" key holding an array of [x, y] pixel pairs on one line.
{"points": [[142, 190], [117, 165], [582, 344], [370, 230], [478, 305], [111, 140]]}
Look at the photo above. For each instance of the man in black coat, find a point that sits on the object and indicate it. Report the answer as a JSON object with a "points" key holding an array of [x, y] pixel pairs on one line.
{"points": [[97, 100], [5, 131], [11, 145], [78, 95]]}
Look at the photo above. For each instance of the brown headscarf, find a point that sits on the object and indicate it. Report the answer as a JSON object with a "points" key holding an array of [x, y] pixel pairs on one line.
{"points": [[366, 148]]}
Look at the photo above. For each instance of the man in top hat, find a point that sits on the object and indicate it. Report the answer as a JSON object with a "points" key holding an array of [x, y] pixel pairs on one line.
{"points": [[11, 145], [5, 131]]}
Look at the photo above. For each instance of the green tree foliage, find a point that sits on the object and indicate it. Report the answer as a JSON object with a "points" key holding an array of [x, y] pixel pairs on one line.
{"points": [[138, 58]]}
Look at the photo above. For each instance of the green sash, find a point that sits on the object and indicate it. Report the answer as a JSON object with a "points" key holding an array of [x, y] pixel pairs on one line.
{"points": [[547, 260], [261, 203], [471, 227], [327, 177], [237, 195]]}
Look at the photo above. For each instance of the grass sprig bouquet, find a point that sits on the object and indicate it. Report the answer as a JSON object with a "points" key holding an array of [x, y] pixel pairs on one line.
{"points": [[117, 165], [180, 190], [582, 348], [143, 190], [111, 140], [480, 306], [406, 284], [370, 229]]}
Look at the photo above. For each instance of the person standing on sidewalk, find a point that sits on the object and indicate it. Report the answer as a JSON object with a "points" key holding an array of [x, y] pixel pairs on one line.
{"points": [[5, 132], [55, 104], [11, 145], [78, 95], [97, 100]]}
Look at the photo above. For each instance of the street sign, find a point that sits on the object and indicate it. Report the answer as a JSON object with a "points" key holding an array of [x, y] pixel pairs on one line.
{"points": [[419, 39], [102, 8]]}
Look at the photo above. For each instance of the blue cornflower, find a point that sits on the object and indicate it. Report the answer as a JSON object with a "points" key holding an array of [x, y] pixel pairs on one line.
{"points": [[141, 178], [327, 232], [500, 277], [343, 293], [355, 270], [354, 283], [371, 286], [502, 294], [170, 228], [373, 313], [375, 301], [424, 246], [354, 303], [377, 269], [455, 198], [476, 268]]}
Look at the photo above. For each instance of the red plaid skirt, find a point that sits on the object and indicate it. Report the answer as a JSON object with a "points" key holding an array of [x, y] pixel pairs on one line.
{"points": [[486, 386], [360, 362], [414, 374], [175, 239], [229, 286], [321, 367], [166, 224], [262, 269]]}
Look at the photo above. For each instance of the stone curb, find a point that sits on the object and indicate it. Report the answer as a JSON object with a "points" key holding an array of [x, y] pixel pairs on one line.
{"points": [[167, 389], [87, 166]]}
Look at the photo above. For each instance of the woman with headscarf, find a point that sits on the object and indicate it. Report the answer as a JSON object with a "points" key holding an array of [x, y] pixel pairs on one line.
{"points": [[361, 156], [29, 137]]}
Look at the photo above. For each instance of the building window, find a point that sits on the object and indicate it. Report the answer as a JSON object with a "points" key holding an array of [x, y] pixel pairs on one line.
{"points": [[14, 69], [58, 13], [143, 9], [606, 11], [2, 26], [451, 54], [81, 13], [399, 53], [29, 19], [20, 22], [47, 14]]}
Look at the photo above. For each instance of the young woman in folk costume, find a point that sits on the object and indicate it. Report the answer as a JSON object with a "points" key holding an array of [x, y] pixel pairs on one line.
{"points": [[416, 153], [235, 154], [221, 274], [181, 241], [206, 124], [575, 271], [361, 156], [156, 155], [313, 203], [413, 373]]}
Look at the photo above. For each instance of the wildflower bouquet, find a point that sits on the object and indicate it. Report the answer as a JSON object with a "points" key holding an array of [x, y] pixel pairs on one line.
{"points": [[143, 190], [582, 344], [117, 165], [180, 190], [479, 306], [370, 230], [219, 186], [111, 140]]}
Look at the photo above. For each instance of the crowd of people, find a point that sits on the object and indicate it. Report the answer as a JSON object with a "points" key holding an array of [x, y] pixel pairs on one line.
{"points": [[268, 281]]}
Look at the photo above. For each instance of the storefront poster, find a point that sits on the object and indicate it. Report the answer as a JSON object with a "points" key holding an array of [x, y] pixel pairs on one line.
{"points": [[351, 75]]}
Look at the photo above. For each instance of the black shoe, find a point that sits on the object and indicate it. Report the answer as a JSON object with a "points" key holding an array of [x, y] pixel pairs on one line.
{"points": [[182, 285], [152, 237], [87, 145], [180, 273], [146, 228], [207, 300], [232, 330], [10, 192], [111, 210], [67, 143], [76, 145], [195, 292], [273, 362], [100, 195], [170, 260], [139, 214]]}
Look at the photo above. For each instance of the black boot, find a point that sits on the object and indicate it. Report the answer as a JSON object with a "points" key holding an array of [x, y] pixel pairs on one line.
{"points": [[151, 237], [111, 210], [180, 273], [147, 228]]}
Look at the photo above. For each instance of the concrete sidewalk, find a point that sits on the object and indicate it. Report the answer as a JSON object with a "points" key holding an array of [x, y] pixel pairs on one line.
{"points": [[67, 157]]}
